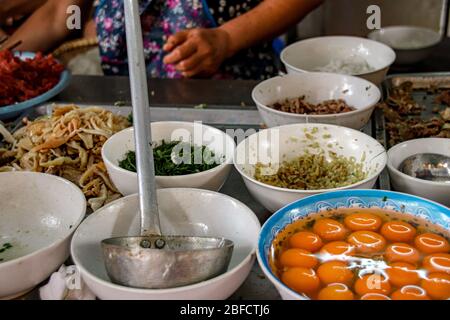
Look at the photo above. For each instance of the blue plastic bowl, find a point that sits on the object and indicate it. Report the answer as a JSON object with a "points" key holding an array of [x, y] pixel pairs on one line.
{"points": [[14, 110], [419, 207]]}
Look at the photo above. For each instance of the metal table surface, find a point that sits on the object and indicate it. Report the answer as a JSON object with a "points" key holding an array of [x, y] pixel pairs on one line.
{"points": [[225, 104]]}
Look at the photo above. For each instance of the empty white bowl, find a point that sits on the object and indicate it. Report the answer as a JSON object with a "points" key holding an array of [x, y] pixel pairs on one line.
{"points": [[38, 214], [116, 147], [311, 54], [411, 44], [317, 87], [183, 212], [436, 191], [273, 146]]}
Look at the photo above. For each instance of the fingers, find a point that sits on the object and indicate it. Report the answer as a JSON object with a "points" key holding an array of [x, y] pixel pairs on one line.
{"points": [[195, 52], [191, 73], [180, 53], [189, 64], [175, 40]]}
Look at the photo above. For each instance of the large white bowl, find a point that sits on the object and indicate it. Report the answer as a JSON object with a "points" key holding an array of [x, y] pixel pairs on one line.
{"points": [[116, 147], [38, 214], [182, 212], [411, 44], [437, 191], [273, 146], [308, 55], [317, 87]]}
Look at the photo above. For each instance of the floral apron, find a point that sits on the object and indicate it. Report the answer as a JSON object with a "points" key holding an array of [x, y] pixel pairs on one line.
{"points": [[162, 18]]}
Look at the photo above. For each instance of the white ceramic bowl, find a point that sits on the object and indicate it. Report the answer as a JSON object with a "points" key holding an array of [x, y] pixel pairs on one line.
{"points": [[411, 44], [182, 212], [279, 144], [38, 214], [116, 147], [308, 55], [317, 87], [436, 191]]}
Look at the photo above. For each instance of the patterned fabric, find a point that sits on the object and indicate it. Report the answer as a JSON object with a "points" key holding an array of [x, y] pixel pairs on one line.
{"points": [[162, 18]]}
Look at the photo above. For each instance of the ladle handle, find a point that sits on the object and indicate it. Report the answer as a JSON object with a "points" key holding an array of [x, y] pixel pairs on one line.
{"points": [[141, 120]]}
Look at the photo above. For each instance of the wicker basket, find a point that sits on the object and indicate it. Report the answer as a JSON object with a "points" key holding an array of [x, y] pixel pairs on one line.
{"points": [[68, 50]]}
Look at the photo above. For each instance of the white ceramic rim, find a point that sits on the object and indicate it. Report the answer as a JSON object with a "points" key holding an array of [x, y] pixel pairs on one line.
{"points": [[74, 226], [395, 149], [317, 116], [228, 160], [386, 47], [376, 32], [247, 259], [312, 192]]}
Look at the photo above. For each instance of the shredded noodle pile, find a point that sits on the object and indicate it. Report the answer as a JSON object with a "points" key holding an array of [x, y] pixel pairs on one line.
{"points": [[68, 144]]}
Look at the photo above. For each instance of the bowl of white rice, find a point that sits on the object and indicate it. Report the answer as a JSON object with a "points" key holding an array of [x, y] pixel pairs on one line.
{"points": [[411, 44], [354, 56]]}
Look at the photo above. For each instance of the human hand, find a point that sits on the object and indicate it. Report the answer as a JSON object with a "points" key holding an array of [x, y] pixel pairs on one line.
{"points": [[197, 52], [11, 10]]}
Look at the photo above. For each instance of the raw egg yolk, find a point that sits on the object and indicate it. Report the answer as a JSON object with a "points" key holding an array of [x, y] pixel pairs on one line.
{"points": [[298, 258], [375, 296], [367, 241], [330, 230], [398, 231], [438, 262], [402, 252], [337, 248], [362, 222], [301, 280], [335, 272], [336, 291], [437, 285], [402, 274], [306, 241], [372, 283], [431, 243], [410, 293]]}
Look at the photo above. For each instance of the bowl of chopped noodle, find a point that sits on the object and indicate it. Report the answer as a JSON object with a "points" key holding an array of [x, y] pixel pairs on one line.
{"points": [[284, 164], [68, 144]]}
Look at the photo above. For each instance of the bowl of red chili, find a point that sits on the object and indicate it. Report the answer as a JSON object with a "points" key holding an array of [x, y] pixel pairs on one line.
{"points": [[28, 80]]}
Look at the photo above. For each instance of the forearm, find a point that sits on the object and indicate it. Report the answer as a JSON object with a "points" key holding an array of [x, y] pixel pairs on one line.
{"points": [[267, 20], [11, 8], [46, 27]]}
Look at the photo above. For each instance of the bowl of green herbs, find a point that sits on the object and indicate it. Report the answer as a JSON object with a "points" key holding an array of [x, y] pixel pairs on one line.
{"points": [[186, 155]]}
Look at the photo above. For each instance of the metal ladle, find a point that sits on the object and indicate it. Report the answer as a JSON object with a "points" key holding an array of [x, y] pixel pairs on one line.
{"points": [[427, 166], [152, 260]]}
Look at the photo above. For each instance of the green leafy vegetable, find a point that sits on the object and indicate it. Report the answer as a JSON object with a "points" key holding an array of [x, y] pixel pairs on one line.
{"points": [[170, 159], [5, 247]]}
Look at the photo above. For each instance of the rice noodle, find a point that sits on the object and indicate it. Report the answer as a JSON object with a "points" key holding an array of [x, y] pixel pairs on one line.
{"points": [[68, 144]]}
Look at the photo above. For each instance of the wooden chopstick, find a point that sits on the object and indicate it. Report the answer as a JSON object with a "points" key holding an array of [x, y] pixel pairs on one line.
{"points": [[3, 39], [12, 46]]}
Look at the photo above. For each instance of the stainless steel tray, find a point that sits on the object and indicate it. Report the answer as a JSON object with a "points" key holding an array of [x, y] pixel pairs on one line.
{"points": [[425, 86]]}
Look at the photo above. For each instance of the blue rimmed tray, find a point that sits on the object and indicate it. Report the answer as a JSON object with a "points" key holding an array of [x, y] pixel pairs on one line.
{"points": [[14, 110]]}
